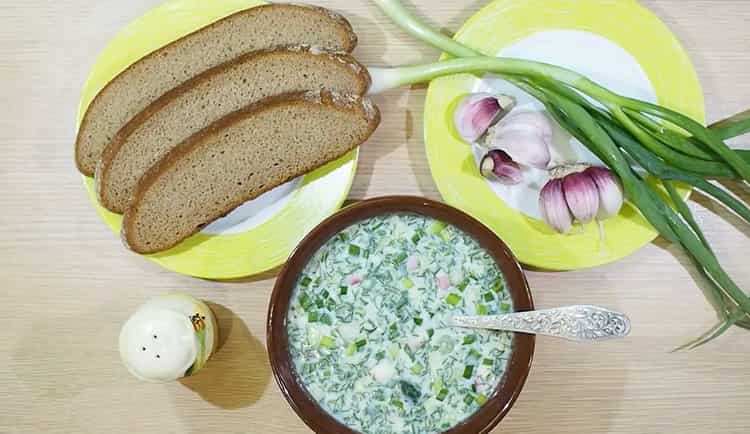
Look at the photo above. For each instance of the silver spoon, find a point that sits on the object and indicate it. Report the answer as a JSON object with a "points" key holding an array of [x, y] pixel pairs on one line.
{"points": [[576, 323]]}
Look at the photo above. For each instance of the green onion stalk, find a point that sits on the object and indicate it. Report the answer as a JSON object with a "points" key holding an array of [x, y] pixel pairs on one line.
{"points": [[731, 164], [622, 132]]}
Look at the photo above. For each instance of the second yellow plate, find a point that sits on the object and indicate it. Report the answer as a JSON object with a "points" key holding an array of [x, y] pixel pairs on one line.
{"points": [[617, 43]]}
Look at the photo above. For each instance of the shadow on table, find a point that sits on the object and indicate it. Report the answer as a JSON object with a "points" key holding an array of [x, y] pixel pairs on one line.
{"points": [[238, 373], [699, 279], [266, 275]]}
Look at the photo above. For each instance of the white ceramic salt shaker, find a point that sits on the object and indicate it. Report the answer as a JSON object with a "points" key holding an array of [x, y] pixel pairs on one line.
{"points": [[168, 337]]}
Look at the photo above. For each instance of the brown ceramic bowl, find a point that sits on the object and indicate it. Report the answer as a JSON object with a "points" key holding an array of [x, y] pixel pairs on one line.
{"points": [[489, 415]]}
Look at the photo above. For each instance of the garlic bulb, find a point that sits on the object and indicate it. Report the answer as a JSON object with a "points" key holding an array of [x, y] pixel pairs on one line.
{"points": [[526, 136], [582, 193], [476, 113], [498, 165]]}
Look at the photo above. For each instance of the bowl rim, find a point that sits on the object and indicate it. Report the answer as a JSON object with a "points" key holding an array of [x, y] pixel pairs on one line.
{"points": [[306, 407]]}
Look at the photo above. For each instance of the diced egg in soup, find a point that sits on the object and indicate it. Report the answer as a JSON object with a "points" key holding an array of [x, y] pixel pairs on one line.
{"points": [[368, 330]]}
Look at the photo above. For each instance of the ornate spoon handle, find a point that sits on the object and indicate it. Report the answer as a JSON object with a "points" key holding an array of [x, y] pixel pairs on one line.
{"points": [[576, 323]]}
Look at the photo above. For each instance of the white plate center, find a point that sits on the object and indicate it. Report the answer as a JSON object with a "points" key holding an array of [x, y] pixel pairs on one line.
{"points": [[592, 55], [255, 212]]}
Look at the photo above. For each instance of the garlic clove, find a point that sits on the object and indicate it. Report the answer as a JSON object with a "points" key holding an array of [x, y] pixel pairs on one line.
{"points": [[476, 113], [554, 208], [526, 136], [611, 195], [498, 165], [526, 120], [525, 148], [582, 196]]}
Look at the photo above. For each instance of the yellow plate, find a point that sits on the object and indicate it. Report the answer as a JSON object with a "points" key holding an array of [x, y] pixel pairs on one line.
{"points": [[625, 25], [265, 245]]}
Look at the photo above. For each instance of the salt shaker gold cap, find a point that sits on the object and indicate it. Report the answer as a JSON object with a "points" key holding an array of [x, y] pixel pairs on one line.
{"points": [[168, 337]]}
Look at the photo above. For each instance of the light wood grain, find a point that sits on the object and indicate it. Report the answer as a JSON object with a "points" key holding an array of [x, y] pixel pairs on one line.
{"points": [[68, 284]]}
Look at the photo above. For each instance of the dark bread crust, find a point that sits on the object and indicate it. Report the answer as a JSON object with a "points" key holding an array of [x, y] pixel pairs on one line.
{"points": [[348, 35], [113, 149], [360, 105], [340, 19]]}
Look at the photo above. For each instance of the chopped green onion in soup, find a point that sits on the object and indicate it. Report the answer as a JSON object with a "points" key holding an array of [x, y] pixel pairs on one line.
{"points": [[368, 334]]}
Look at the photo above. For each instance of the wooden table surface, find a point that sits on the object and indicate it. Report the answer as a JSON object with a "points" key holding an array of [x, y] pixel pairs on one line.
{"points": [[68, 284]]}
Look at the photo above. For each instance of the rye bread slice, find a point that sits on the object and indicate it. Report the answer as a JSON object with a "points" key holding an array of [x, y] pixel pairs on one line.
{"points": [[209, 97], [240, 157], [147, 79]]}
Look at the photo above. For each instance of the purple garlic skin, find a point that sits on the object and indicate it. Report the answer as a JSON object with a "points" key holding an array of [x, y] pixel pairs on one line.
{"points": [[498, 165], [611, 195], [554, 208], [476, 113], [582, 196]]}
